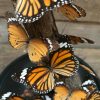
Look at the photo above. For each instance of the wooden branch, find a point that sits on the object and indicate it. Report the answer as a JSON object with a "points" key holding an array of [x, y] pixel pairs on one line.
{"points": [[44, 27]]}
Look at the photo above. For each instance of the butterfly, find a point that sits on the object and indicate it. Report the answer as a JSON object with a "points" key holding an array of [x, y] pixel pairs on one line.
{"points": [[89, 79], [18, 37], [74, 39], [61, 92], [78, 94], [88, 69], [94, 96], [32, 10], [89, 86], [42, 79], [72, 11]]}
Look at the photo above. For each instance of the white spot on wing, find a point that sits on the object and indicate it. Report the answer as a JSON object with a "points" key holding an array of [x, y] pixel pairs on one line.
{"points": [[47, 97], [23, 74], [5, 96], [63, 45]]}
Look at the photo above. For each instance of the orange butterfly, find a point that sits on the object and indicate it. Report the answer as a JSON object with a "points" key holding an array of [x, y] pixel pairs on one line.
{"points": [[72, 11], [32, 10], [74, 39], [43, 78], [61, 92], [18, 37], [78, 94], [94, 96], [89, 86]]}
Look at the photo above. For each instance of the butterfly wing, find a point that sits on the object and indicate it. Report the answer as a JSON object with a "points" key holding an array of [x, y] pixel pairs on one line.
{"points": [[89, 86], [72, 11], [78, 94], [31, 7], [37, 49], [32, 10], [89, 70], [15, 98], [41, 80], [94, 96], [61, 92], [63, 62], [76, 39], [17, 35]]}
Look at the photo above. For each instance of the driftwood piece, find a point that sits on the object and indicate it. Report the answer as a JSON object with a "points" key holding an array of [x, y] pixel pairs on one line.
{"points": [[44, 27]]}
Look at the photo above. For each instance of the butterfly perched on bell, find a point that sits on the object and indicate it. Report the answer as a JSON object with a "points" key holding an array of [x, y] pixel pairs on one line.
{"points": [[31, 10], [72, 11], [42, 79]]}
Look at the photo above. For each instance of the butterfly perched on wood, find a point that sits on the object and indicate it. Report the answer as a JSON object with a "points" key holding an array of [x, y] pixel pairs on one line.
{"points": [[32, 10], [72, 11], [14, 97], [71, 39], [42, 79], [18, 37], [76, 40]]}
